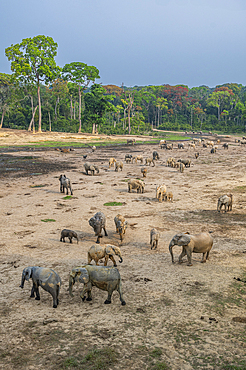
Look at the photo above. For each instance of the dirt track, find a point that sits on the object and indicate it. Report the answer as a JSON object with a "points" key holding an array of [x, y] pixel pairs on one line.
{"points": [[161, 326]]}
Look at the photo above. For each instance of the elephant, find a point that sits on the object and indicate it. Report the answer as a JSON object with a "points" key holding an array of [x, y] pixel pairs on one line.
{"points": [[226, 201], [47, 278], [103, 277], [65, 183], [154, 238], [98, 222], [91, 167], [70, 234], [136, 184], [198, 243], [118, 165], [121, 225], [128, 158], [111, 162], [97, 252], [155, 155], [160, 192]]}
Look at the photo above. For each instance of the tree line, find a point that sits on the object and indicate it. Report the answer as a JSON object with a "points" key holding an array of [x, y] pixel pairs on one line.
{"points": [[39, 95]]}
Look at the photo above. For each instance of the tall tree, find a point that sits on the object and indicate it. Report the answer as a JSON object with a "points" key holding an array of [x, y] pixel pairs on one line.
{"points": [[82, 75], [33, 61]]}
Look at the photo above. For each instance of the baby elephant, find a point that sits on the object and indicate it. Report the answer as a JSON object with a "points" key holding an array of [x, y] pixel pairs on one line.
{"points": [[155, 155], [97, 252], [226, 201], [98, 222], [70, 234], [65, 184], [48, 279], [121, 225], [144, 171], [149, 160], [118, 165], [154, 238]]}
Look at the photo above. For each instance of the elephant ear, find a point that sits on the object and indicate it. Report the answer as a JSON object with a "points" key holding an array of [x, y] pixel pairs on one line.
{"points": [[75, 271], [184, 239], [28, 273], [84, 276], [110, 250]]}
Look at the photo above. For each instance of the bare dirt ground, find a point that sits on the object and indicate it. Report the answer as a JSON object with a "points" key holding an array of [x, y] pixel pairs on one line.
{"points": [[176, 317]]}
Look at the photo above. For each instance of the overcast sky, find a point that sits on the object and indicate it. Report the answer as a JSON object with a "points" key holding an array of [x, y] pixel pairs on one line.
{"points": [[137, 42]]}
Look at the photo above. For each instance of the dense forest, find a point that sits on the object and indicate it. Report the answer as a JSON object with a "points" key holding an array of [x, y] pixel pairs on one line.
{"points": [[39, 95]]}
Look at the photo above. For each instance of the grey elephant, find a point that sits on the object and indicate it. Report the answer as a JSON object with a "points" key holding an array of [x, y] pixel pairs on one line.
{"points": [[65, 183], [154, 238], [198, 243], [226, 201], [70, 234], [155, 155], [92, 168], [103, 277], [47, 278], [98, 222]]}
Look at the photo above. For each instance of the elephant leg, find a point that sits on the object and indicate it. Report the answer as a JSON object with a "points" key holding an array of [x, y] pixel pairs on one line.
{"points": [[71, 240], [183, 253], [121, 294], [32, 292], [105, 232], [203, 258], [96, 260], [89, 260], [89, 296], [37, 293], [189, 253], [71, 190], [55, 299], [106, 260], [207, 255], [98, 239], [113, 260], [110, 292]]}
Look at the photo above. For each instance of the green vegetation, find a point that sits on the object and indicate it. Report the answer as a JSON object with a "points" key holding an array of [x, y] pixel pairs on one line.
{"points": [[38, 186], [65, 101], [110, 204], [68, 197], [48, 220], [96, 359]]}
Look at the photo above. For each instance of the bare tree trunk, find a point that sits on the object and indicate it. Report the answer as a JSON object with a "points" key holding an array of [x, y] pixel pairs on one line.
{"points": [[3, 114], [93, 128], [57, 101], [49, 120], [39, 111], [80, 110], [71, 107], [74, 112], [32, 120]]}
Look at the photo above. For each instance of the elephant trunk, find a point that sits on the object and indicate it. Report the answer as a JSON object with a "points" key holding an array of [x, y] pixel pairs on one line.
{"points": [[22, 281], [71, 283], [171, 249], [120, 260]]}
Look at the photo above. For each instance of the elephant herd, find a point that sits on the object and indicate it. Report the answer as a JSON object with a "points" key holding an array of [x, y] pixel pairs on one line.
{"points": [[108, 278]]}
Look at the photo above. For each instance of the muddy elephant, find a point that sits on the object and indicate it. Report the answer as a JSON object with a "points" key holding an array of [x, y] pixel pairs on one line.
{"points": [[226, 201], [47, 278], [92, 168], [198, 243], [98, 222], [160, 192], [136, 184], [154, 238], [121, 225], [97, 252], [103, 277]]}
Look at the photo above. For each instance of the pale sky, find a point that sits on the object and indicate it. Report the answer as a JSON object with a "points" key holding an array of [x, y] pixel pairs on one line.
{"points": [[137, 42]]}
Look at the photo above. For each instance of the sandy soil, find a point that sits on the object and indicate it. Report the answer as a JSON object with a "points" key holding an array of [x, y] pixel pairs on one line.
{"points": [[176, 317]]}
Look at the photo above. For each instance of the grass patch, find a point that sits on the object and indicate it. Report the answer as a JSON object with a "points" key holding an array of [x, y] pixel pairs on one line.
{"points": [[110, 204], [67, 197], [96, 359], [38, 186], [156, 353], [48, 220], [240, 189]]}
